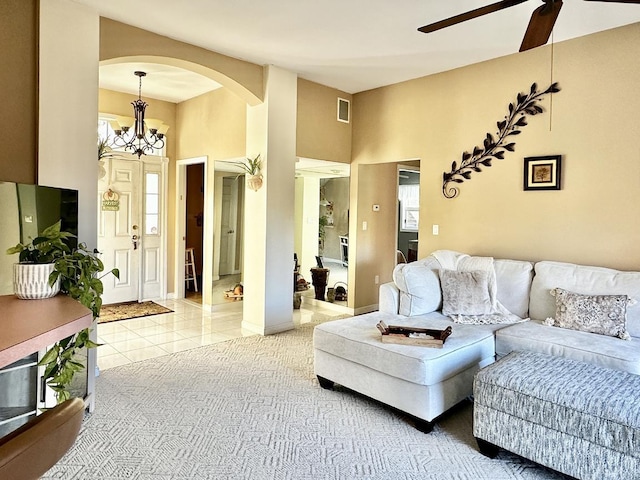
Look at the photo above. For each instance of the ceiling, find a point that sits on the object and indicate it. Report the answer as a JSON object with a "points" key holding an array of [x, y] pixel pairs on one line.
{"points": [[351, 45]]}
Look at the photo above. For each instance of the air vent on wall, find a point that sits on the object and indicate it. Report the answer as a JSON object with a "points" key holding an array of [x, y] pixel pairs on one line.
{"points": [[344, 110]]}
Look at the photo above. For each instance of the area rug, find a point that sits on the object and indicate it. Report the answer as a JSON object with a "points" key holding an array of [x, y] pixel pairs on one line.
{"points": [[124, 311], [251, 408]]}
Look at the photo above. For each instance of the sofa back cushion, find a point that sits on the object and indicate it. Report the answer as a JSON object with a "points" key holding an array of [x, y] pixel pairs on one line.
{"points": [[513, 279], [419, 286], [420, 291], [584, 280]]}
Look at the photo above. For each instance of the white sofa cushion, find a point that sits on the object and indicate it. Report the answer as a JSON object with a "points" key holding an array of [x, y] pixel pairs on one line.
{"points": [[601, 350], [358, 340], [419, 286], [513, 279], [584, 280]]}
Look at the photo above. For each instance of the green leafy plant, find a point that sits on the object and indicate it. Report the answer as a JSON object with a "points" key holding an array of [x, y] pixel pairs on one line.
{"points": [[78, 270], [104, 149], [323, 221], [49, 246], [251, 166]]}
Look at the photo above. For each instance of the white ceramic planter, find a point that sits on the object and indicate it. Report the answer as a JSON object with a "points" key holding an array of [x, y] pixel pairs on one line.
{"points": [[254, 182], [31, 281]]}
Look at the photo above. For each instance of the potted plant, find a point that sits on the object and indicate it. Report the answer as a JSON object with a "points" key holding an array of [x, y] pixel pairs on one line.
{"points": [[75, 271], [252, 168], [36, 263], [322, 223], [104, 152]]}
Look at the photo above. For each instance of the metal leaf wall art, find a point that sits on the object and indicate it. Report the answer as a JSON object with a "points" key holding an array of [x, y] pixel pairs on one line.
{"points": [[494, 147]]}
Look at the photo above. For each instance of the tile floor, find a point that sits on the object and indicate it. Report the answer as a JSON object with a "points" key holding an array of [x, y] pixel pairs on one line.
{"points": [[189, 326]]}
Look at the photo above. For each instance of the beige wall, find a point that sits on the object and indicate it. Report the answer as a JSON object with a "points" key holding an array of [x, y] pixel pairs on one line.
{"points": [[319, 134], [593, 124], [18, 89], [372, 251], [212, 124], [68, 106], [118, 41]]}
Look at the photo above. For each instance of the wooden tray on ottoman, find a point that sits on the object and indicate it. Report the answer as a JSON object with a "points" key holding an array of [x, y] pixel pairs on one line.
{"points": [[425, 337]]}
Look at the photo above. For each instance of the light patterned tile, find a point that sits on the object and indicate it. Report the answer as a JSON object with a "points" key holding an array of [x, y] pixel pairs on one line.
{"points": [[110, 361], [180, 345], [167, 337], [131, 344], [145, 353], [153, 330], [192, 332], [111, 327], [136, 323], [119, 337], [106, 350]]}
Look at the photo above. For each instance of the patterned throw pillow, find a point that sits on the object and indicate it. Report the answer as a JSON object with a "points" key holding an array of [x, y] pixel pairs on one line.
{"points": [[601, 314], [465, 293]]}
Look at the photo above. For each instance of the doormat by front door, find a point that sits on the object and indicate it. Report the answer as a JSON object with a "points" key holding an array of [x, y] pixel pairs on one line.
{"points": [[124, 311]]}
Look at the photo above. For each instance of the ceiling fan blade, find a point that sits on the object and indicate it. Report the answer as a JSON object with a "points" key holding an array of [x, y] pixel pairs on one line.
{"points": [[615, 1], [541, 25], [478, 12]]}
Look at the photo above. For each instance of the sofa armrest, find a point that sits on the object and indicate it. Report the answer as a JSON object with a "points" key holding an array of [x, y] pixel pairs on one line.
{"points": [[389, 298]]}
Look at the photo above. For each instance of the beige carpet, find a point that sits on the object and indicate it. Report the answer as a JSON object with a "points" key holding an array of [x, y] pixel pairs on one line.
{"points": [[124, 311], [252, 409]]}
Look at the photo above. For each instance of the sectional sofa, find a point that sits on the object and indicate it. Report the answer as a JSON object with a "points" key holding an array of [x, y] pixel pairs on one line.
{"points": [[425, 382]]}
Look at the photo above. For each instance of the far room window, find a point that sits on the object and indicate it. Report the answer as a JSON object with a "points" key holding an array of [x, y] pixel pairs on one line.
{"points": [[409, 196], [152, 204]]}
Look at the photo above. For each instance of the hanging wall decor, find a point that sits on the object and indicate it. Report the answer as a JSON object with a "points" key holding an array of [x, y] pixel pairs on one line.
{"points": [[495, 147], [542, 173]]}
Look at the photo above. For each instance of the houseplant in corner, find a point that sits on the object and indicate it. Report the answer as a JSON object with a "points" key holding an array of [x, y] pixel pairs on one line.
{"points": [[252, 168], [36, 263], [76, 271]]}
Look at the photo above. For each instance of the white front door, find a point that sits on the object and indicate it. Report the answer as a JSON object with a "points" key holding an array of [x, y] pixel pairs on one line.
{"points": [[131, 228]]}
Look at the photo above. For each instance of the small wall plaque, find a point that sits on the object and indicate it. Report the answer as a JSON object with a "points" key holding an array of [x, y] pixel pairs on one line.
{"points": [[110, 201], [542, 173]]}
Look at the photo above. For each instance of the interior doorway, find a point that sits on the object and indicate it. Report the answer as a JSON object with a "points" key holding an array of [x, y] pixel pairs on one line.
{"points": [[229, 234], [322, 225], [198, 189], [408, 213], [194, 231]]}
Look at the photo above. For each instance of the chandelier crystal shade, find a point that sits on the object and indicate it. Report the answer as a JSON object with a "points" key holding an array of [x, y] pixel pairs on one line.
{"points": [[146, 135]]}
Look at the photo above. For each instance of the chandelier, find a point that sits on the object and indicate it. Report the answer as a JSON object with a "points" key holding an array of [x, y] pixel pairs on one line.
{"points": [[146, 135]]}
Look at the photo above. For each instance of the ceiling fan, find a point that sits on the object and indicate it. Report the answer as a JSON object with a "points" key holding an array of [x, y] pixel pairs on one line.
{"points": [[540, 25]]}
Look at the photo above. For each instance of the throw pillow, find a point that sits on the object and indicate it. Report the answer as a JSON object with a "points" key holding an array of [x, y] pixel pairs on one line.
{"points": [[465, 293], [600, 314]]}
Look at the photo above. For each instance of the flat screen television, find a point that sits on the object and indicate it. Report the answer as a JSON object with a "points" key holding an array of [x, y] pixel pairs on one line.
{"points": [[25, 211]]}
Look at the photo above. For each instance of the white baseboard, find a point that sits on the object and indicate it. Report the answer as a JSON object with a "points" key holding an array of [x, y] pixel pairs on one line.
{"points": [[335, 307], [366, 309]]}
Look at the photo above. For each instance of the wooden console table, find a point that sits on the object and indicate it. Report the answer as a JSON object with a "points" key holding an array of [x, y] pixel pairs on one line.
{"points": [[28, 327]]}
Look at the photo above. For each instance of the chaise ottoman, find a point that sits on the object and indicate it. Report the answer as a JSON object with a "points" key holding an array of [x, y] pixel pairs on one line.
{"points": [[577, 418], [421, 381]]}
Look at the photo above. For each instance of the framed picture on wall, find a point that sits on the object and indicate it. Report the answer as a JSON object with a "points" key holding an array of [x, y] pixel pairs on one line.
{"points": [[542, 173]]}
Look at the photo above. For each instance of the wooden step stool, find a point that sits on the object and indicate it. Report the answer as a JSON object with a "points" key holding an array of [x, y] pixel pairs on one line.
{"points": [[190, 268]]}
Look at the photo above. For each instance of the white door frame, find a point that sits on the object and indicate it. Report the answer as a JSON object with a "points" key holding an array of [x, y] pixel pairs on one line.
{"points": [[180, 230]]}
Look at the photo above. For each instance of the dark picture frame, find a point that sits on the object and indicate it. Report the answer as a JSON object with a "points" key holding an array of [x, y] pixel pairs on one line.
{"points": [[543, 173]]}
